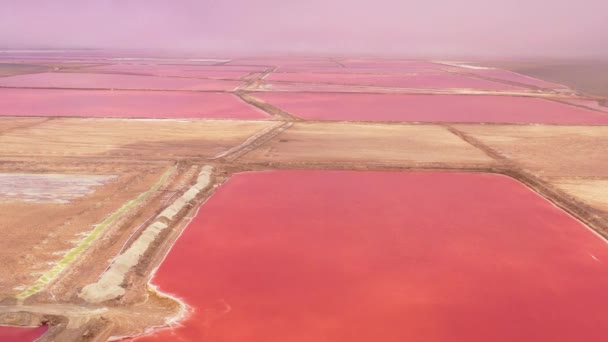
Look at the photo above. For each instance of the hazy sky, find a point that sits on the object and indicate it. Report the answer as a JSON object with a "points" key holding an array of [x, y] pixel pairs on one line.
{"points": [[430, 28]]}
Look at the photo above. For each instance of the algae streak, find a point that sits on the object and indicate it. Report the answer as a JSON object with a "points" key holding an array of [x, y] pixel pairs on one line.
{"points": [[75, 252]]}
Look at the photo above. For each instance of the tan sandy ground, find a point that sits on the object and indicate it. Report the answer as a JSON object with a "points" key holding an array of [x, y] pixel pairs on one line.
{"points": [[572, 159], [11, 68], [34, 235], [108, 286], [156, 139], [548, 151], [593, 192], [396, 144], [8, 123], [117, 236]]}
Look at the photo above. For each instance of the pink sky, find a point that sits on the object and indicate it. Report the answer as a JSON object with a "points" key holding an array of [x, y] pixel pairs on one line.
{"points": [[467, 28]]}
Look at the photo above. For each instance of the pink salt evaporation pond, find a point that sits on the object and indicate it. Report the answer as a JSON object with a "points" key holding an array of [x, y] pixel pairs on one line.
{"points": [[379, 68], [588, 103], [360, 256], [429, 80], [115, 81], [218, 72], [21, 334], [510, 76], [292, 62], [388, 63], [343, 70], [430, 108], [123, 104]]}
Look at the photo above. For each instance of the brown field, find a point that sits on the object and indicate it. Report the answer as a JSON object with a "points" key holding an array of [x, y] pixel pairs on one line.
{"points": [[570, 160], [593, 192], [123, 138], [548, 151], [7, 124], [369, 144], [47, 229], [589, 77]]}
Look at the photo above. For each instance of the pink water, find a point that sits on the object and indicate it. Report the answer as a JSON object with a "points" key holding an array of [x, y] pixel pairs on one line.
{"points": [[430, 108], [388, 63], [515, 77], [124, 104], [593, 104], [279, 62], [326, 256], [173, 70], [368, 70], [435, 80], [19, 334], [115, 81]]}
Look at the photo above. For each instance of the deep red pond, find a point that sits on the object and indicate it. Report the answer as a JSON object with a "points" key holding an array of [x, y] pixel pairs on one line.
{"points": [[324, 256], [19, 334], [125, 104], [430, 108]]}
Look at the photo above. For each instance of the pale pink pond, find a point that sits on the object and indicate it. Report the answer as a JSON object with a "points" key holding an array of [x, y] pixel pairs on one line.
{"points": [[280, 62], [368, 70], [362, 256], [114, 81], [387, 63], [430, 108], [515, 77], [203, 71], [438, 80], [21, 334], [125, 104]]}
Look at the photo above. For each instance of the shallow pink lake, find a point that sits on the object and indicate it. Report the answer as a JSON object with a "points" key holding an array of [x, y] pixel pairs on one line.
{"points": [[515, 77], [434, 80], [589, 103], [176, 70], [125, 104], [21, 334], [327, 256], [388, 63], [281, 62], [368, 70], [430, 108], [115, 81]]}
